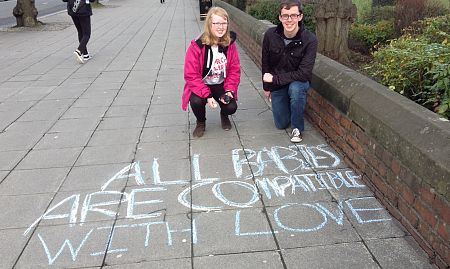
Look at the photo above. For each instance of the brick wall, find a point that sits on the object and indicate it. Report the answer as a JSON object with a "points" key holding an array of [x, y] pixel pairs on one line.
{"points": [[423, 212], [372, 145]]}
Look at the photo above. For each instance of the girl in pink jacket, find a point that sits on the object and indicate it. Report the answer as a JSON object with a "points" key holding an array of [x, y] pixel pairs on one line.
{"points": [[212, 71]]}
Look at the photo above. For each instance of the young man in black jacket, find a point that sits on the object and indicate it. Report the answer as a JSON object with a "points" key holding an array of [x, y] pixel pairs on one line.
{"points": [[288, 56], [81, 11]]}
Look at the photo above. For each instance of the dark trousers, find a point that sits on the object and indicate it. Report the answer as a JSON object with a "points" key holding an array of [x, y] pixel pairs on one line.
{"points": [[198, 104], [83, 25]]}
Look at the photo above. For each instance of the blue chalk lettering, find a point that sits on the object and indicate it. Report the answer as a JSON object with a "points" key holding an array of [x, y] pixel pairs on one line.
{"points": [[73, 252], [356, 210], [302, 230], [237, 227], [109, 243], [339, 219], [147, 227]]}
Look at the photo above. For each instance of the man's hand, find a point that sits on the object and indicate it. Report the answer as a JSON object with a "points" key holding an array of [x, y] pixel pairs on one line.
{"points": [[267, 77], [268, 95], [212, 103]]}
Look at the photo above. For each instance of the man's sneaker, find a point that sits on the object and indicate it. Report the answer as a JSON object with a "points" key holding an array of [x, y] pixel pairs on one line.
{"points": [[79, 56], [87, 57], [296, 136]]}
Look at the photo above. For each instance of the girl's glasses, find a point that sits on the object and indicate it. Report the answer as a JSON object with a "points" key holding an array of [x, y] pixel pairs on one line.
{"points": [[221, 24]]}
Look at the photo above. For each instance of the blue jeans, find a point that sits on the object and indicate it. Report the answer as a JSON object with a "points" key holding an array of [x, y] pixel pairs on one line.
{"points": [[288, 105]]}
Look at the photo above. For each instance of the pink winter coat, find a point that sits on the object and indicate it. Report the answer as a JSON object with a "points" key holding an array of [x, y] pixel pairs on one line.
{"points": [[193, 69]]}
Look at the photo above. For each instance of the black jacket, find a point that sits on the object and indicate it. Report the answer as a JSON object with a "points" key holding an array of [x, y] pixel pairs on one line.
{"points": [[81, 8], [288, 63]]}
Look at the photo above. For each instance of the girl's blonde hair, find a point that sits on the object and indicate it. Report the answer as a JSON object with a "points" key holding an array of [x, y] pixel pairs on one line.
{"points": [[208, 37]]}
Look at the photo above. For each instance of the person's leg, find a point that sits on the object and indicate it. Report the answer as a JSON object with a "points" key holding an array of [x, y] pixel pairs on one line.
{"points": [[280, 108], [198, 108], [85, 22], [77, 24], [225, 109], [297, 95]]}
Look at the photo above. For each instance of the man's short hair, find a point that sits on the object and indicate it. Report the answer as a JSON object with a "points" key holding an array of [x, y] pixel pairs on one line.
{"points": [[287, 4]]}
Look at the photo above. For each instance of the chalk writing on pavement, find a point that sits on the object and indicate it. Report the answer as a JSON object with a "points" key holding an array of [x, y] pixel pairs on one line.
{"points": [[269, 174]]}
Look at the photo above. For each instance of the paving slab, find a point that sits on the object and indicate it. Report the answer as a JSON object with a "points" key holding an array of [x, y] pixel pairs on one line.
{"points": [[121, 123], [30, 208], [227, 232], [50, 158], [106, 155], [346, 255], [399, 252], [266, 260], [62, 140], [115, 137], [33, 181], [9, 159], [95, 177], [13, 241]]}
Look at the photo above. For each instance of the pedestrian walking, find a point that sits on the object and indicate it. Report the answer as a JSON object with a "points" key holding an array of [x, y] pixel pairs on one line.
{"points": [[162, 1], [288, 56], [81, 11], [212, 71]]}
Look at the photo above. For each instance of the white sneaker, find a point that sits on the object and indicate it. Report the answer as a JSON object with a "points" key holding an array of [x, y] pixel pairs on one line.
{"points": [[79, 56], [87, 57], [296, 136]]}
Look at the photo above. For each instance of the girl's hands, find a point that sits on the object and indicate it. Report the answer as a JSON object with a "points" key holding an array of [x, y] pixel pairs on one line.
{"points": [[212, 103]]}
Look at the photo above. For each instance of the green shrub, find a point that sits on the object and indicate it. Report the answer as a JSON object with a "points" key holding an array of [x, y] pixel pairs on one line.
{"points": [[378, 13], [265, 10], [382, 2], [308, 11], [439, 100], [363, 9], [373, 35], [436, 30], [418, 66]]}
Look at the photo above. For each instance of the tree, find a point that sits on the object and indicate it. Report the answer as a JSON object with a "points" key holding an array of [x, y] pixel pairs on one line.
{"points": [[333, 20], [26, 13]]}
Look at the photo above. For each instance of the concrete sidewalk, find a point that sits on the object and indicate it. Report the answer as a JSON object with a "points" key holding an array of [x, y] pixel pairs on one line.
{"points": [[98, 167]]}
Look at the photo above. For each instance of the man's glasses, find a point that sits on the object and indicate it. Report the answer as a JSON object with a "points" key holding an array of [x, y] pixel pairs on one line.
{"points": [[286, 17], [221, 24]]}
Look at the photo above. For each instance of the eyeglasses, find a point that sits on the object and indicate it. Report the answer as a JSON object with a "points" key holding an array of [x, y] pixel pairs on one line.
{"points": [[286, 17], [221, 24]]}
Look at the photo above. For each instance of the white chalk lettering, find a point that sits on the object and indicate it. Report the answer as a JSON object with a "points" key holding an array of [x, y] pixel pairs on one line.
{"points": [[132, 203], [157, 177], [46, 215], [219, 195], [94, 207], [125, 173], [196, 169]]}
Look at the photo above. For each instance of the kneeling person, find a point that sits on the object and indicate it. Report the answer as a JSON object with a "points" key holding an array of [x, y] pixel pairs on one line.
{"points": [[212, 71], [288, 56]]}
